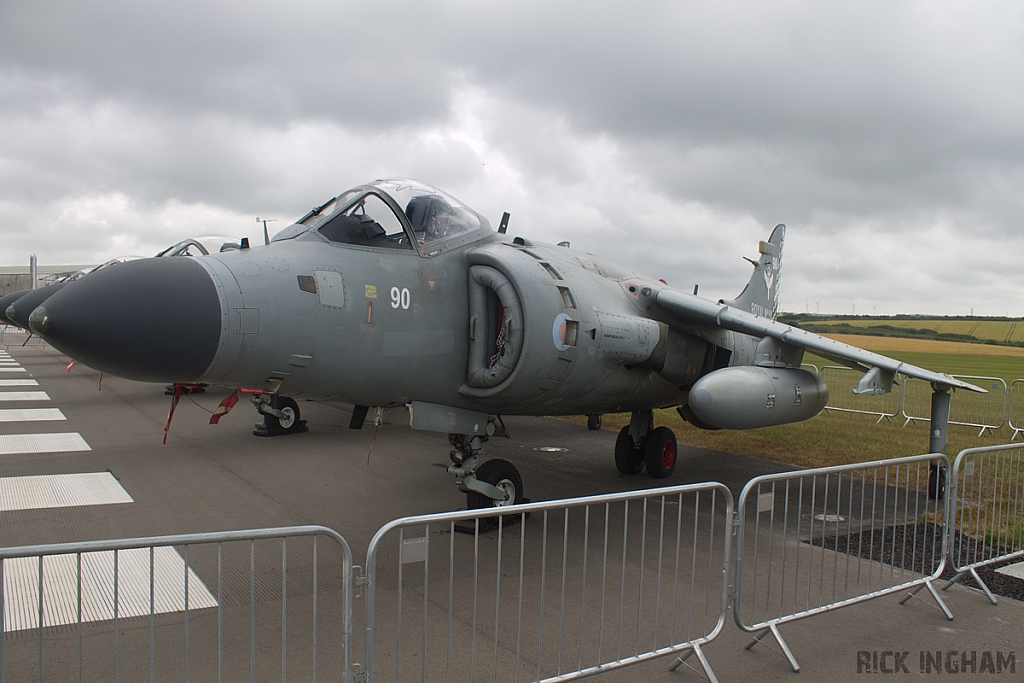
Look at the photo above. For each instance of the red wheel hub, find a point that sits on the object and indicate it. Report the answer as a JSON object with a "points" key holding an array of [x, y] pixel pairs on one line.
{"points": [[668, 455]]}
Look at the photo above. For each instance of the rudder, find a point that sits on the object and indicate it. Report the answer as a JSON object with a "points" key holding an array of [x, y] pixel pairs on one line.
{"points": [[761, 295]]}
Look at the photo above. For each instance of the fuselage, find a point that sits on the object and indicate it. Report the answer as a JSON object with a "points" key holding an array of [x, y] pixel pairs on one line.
{"points": [[379, 326], [390, 293]]}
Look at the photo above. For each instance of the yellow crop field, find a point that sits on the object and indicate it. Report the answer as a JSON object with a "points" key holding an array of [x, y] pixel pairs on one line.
{"points": [[1000, 331], [880, 344]]}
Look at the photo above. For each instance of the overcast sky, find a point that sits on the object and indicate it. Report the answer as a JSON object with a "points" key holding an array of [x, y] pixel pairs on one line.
{"points": [[671, 136]]}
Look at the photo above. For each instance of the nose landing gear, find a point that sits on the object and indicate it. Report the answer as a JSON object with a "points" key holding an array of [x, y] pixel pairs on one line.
{"points": [[493, 483], [280, 415]]}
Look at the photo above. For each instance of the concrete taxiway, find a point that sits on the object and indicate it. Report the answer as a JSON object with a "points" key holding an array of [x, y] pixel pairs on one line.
{"points": [[213, 478]]}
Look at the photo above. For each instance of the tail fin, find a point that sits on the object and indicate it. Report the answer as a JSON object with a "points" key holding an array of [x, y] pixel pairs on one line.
{"points": [[761, 295]]}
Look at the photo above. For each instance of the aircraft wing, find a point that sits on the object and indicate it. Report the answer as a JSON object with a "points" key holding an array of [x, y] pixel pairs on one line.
{"points": [[879, 370]]}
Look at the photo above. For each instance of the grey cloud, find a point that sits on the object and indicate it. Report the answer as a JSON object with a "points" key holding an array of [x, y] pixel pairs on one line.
{"points": [[670, 135]]}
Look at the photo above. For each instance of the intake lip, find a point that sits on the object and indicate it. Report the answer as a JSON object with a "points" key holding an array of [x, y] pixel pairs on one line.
{"points": [[151, 320]]}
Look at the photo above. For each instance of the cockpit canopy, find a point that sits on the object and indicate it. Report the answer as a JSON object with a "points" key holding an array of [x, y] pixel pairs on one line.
{"points": [[201, 246], [392, 214]]}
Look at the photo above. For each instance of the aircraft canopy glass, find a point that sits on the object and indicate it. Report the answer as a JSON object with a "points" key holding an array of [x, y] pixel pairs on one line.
{"points": [[201, 246], [432, 213], [392, 213]]}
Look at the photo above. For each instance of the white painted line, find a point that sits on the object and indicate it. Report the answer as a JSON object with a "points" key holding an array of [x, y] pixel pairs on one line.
{"points": [[31, 414], [60, 587], [12, 444], [13, 370], [1014, 570], [18, 383], [61, 490], [23, 396]]}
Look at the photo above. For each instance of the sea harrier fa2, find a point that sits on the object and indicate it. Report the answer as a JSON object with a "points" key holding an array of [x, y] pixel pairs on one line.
{"points": [[402, 301]]}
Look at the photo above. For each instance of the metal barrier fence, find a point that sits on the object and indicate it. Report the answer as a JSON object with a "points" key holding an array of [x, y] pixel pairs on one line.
{"points": [[842, 381], [986, 519], [826, 538], [15, 337], [545, 592], [64, 605], [968, 408], [549, 591], [1015, 409]]}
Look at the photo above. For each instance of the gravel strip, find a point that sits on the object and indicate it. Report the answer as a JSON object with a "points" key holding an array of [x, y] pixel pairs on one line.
{"points": [[911, 547]]}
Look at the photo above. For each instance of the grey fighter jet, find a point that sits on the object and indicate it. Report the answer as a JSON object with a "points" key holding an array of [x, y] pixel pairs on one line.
{"points": [[19, 309], [401, 300]]}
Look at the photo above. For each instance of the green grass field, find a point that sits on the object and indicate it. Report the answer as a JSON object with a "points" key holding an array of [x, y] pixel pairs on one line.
{"points": [[842, 438], [839, 438], [1007, 368]]}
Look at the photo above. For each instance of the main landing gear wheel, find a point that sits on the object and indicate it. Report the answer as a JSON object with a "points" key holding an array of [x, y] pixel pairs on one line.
{"points": [[502, 475], [593, 422], [629, 457], [660, 453]]}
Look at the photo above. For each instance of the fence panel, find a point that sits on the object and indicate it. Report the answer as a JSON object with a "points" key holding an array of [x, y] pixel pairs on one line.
{"points": [[986, 520], [15, 337], [549, 591], [968, 408], [259, 604], [816, 540], [1015, 409], [842, 381]]}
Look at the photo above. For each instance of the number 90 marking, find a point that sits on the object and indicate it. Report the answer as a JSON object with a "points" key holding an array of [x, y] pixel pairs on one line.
{"points": [[399, 297]]}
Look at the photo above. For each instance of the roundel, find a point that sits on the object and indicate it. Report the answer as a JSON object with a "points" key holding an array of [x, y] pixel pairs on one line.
{"points": [[558, 330]]}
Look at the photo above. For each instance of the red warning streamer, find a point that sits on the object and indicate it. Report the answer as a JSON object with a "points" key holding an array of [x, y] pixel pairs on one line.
{"points": [[225, 406], [174, 404]]}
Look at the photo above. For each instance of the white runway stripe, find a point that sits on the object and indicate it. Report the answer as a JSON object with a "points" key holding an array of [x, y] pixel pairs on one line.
{"points": [[12, 444], [13, 370], [31, 414], [60, 587], [18, 383], [23, 396], [61, 490]]}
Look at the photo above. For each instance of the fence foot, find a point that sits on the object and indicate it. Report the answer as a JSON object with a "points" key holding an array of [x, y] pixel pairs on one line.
{"points": [[955, 578], [935, 594], [695, 650], [983, 587], [977, 579], [778, 639]]}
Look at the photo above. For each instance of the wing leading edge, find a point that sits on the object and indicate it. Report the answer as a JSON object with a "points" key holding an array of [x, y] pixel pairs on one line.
{"points": [[879, 370]]}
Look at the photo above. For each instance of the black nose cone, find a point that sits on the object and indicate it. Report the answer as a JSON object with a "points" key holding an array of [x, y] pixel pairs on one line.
{"points": [[8, 299], [19, 311], [151, 320]]}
